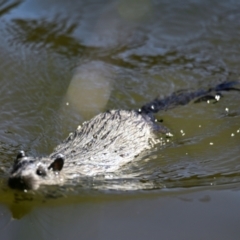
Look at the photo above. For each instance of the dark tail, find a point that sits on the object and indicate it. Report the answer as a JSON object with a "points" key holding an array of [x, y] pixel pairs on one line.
{"points": [[183, 97]]}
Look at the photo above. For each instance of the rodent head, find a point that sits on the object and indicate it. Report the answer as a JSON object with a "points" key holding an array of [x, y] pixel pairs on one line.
{"points": [[29, 173]]}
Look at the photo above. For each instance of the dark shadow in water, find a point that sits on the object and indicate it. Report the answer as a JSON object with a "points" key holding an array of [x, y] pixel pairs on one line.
{"points": [[41, 33], [7, 7], [56, 34]]}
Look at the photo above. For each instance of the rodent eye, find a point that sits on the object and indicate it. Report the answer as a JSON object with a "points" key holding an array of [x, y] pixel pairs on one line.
{"points": [[40, 172]]}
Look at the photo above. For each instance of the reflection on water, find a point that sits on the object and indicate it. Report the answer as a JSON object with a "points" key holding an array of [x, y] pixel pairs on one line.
{"points": [[55, 34], [93, 79], [120, 54], [134, 218], [6, 7]]}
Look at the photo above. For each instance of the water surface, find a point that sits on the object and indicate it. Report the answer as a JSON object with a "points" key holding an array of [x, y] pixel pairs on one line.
{"points": [[63, 62]]}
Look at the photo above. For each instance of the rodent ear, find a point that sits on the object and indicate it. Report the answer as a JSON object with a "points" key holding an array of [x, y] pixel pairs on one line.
{"points": [[20, 155], [57, 164]]}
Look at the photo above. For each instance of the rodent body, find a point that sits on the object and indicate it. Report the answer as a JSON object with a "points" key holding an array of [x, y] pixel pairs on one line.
{"points": [[104, 144], [101, 145], [115, 138]]}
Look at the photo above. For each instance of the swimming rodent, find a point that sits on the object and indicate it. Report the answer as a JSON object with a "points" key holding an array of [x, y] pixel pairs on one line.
{"points": [[105, 143]]}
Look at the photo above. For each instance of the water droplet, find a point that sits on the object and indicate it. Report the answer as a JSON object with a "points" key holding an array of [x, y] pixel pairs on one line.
{"points": [[182, 132], [217, 97]]}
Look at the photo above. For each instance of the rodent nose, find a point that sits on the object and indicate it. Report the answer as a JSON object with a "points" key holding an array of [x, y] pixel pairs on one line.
{"points": [[17, 183]]}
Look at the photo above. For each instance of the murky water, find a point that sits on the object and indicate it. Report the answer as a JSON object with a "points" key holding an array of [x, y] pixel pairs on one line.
{"points": [[63, 62]]}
